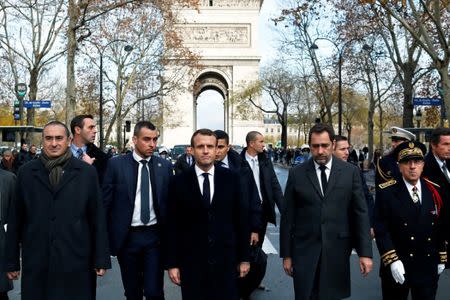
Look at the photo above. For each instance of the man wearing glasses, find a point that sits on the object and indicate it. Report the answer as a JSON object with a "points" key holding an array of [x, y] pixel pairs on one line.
{"points": [[324, 217]]}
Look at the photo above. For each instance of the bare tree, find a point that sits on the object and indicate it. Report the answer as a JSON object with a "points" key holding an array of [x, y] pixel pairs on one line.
{"points": [[30, 32]]}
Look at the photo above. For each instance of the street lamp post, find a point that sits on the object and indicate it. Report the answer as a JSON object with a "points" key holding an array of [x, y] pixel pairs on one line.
{"points": [[128, 49], [418, 119]]}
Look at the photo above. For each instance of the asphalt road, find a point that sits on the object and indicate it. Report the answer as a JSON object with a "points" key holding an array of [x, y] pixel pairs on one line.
{"points": [[279, 286]]}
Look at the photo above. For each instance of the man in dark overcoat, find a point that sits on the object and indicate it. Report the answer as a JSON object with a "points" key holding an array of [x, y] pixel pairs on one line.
{"points": [[7, 193], [207, 227], [408, 229], [57, 225], [325, 216], [185, 161]]}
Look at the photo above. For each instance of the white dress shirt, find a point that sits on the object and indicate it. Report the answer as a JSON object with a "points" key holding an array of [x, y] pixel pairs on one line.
{"points": [[327, 171], [225, 162], [254, 165], [410, 187], [200, 178], [136, 220]]}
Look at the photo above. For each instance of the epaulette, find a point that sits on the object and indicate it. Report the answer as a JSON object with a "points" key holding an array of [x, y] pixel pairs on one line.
{"points": [[429, 181], [385, 176], [443, 257], [389, 257], [387, 183]]}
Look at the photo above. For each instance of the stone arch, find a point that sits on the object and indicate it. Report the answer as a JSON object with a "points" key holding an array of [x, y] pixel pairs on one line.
{"points": [[212, 79]]}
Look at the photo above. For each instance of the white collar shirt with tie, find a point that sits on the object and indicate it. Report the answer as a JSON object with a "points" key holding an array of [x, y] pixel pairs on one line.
{"points": [[410, 188], [199, 172], [136, 219], [189, 160], [254, 165], [327, 171], [441, 167]]}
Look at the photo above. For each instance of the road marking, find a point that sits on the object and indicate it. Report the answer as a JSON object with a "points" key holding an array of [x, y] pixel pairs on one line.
{"points": [[268, 247]]}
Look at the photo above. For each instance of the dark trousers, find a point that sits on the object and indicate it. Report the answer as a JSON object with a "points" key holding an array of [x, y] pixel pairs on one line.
{"points": [[141, 264], [395, 291], [4, 296]]}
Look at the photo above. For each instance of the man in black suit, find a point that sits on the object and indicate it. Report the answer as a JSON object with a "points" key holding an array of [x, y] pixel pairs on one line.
{"points": [[57, 224], [83, 130], [208, 228], [185, 161], [407, 227], [268, 188], [135, 191], [435, 169], [324, 217], [228, 158]]}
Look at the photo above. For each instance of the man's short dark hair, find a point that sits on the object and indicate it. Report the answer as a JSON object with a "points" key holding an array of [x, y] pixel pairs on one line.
{"points": [[203, 131], [340, 138], [320, 128], [143, 124], [437, 133], [78, 121], [222, 135], [251, 136], [56, 123]]}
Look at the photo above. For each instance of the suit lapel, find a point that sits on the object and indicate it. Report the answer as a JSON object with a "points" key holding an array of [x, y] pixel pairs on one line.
{"points": [[130, 168], [70, 172], [156, 179], [406, 201], [217, 185], [334, 174], [312, 175], [197, 194], [41, 174]]}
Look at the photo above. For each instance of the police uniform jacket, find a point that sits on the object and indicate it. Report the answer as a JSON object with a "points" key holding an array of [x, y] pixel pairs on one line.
{"points": [[407, 233], [387, 169]]}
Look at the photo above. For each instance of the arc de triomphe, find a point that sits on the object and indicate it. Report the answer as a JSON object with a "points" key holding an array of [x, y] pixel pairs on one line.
{"points": [[224, 34]]}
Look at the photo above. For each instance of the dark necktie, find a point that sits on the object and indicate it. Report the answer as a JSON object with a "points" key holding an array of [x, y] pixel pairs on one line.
{"points": [[80, 153], [323, 178], [445, 171], [145, 193], [206, 189]]}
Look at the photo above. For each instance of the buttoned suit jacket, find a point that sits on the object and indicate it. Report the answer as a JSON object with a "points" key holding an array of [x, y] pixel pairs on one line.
{"points": [[119, 194], [206, 242], [181, 164], [249, 189], [321, 230], [408, 234], [270, 188]]}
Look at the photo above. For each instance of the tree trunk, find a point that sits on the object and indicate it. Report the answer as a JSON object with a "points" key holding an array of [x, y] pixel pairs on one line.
{"points": [[408, 107], [34, 72], [120, 141], [370, 125], [445, 80], [380, 109], [71, 92]]}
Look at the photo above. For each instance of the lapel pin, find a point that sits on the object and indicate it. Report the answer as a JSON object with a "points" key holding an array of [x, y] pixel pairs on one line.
{"points": [[159, 164]]}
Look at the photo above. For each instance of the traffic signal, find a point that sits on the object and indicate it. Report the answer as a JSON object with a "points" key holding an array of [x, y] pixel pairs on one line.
{"points": [[127, 126], [16, 112]]}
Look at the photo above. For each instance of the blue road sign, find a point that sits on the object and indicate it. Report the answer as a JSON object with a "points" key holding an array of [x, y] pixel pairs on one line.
{"points": [[427, 101], [37, 104]]}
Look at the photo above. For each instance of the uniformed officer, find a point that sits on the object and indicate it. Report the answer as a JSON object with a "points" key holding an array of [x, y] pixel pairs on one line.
{"points": [[387, 168], [408, 231]]}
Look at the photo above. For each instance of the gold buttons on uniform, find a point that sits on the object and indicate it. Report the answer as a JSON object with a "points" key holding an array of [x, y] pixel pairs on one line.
{"points": [[406, 224], [412, 238], [411, 254], [428, 255], [429, 239]]}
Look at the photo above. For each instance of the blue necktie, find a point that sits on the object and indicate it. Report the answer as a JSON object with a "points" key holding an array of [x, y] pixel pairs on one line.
{"points": [[80, 153], [145, 193]]}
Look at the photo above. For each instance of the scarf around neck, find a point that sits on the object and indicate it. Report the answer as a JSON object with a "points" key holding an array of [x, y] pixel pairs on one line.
{"points": [[55, 166]]}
